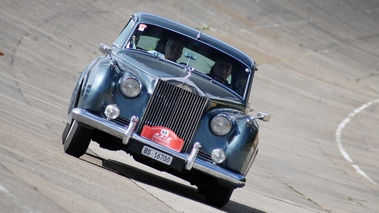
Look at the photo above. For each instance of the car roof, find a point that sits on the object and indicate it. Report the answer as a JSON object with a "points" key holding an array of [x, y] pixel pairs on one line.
{"points": [[192, 33]]}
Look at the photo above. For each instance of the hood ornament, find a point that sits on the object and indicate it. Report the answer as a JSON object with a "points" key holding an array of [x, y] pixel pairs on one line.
{"points": [[187, 68], [188, 71]]}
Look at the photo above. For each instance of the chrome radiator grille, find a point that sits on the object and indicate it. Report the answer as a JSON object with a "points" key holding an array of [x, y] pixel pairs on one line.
{"points": [[174, 108]]}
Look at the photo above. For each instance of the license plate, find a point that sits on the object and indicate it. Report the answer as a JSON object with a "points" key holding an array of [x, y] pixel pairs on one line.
{"points": [[156, 155]]}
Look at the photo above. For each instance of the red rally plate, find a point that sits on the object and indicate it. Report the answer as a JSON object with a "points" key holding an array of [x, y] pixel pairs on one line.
{"points": [[163, 136]]}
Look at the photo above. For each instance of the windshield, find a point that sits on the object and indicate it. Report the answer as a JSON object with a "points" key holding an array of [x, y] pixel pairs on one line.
{"points": [[226, 70]]}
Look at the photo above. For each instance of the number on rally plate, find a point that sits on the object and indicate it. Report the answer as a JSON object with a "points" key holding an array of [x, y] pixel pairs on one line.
{"points": [[157, 155]]}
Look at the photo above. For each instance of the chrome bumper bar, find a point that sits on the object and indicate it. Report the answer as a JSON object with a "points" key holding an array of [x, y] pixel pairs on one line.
{"points": [[126, 133]]}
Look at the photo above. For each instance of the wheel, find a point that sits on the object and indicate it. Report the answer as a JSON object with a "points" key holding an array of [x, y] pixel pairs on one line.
{"points": [[217, 195], [77, 140]]}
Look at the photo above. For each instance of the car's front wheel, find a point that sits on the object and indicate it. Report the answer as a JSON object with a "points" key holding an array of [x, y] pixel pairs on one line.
{"points": [[77, 139], [217, 195]]}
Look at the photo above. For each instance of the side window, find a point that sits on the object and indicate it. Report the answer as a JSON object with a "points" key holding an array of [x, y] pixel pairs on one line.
{"points": [[124, 34], [147, 42], [145, 37], [240, 76]]}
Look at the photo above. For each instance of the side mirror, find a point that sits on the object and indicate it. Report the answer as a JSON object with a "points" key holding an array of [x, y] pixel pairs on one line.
{"points": [[105, 49], [264, 116]]}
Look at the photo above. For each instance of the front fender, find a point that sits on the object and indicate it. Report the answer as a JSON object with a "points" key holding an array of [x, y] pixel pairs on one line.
{"points": [[242, 148], [77, 92], [98, 86], [240, 145]]}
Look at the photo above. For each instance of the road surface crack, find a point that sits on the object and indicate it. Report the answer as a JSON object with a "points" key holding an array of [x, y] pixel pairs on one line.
{"points": [[309, 199]]}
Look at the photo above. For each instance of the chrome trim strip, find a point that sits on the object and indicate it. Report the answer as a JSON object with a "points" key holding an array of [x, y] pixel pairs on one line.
{"points": [[220, 173], [102, 124]]}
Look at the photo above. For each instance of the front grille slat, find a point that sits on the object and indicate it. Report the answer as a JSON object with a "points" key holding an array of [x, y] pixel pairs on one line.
{"points": [[174, 108], [122, 121]]}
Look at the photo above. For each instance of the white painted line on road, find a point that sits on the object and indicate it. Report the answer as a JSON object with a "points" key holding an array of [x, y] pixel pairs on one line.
{"points": [[339, 141]]}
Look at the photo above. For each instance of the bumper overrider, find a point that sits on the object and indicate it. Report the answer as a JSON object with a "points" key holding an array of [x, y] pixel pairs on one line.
{"points": [[135, 143]]}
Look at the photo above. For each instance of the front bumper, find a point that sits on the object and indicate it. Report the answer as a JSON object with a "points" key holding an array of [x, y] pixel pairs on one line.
{"points": [[125, 133]]}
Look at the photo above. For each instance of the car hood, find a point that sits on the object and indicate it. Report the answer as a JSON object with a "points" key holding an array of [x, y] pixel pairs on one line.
{"points": [[148, 66]]}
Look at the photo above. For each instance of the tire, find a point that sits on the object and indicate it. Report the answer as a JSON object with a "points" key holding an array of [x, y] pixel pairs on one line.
{"points": [[65, 132], [217, 195], [72, 105], [77, 140]]}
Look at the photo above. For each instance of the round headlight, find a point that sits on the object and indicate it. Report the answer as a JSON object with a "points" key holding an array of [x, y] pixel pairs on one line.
{"points": [[221, 124], [112, 111], [130, 87], [218, 155]]}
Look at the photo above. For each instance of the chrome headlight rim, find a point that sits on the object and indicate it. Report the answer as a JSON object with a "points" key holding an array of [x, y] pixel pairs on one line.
{"points": [[112, 111], [130, 86], [221, 124], [218, 155]]}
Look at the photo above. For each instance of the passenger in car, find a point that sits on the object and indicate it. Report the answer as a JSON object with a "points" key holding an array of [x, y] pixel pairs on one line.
{"points": [[173, 49], [221, 71], [160, 46]]}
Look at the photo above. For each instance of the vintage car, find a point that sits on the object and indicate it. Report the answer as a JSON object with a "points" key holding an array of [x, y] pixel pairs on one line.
{"points": [[169, 114]]}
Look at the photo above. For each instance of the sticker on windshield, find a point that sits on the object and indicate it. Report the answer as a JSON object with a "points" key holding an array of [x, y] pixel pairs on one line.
{"points": [[142, 27]]}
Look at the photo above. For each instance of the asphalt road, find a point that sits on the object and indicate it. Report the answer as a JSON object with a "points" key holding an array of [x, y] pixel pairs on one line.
{"points": [[318, 77]]}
